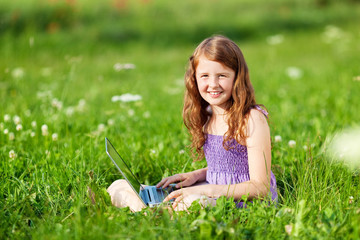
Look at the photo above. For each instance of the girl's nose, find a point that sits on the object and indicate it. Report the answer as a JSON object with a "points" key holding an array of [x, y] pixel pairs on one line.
{"points": [[213, 82]]}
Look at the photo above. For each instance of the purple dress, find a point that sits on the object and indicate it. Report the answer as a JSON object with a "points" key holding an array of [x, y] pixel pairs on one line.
{"points": [[229, 167]]}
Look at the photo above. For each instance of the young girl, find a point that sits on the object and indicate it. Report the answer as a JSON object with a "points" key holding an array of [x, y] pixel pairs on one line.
{"points": [[227, 127]]}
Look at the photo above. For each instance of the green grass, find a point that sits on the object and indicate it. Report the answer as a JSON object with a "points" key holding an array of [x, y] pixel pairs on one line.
{"points": [[68, 52]]}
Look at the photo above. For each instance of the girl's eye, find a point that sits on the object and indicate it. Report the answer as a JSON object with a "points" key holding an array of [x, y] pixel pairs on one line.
{"points": [[222, 76], [204, 76]]}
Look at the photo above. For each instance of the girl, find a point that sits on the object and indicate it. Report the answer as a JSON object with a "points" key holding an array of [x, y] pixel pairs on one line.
{"points": [[227, 127]]}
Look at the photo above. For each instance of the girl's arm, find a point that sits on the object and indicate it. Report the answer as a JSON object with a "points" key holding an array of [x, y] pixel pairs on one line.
{"points": [[259, 160], [184, 179]]}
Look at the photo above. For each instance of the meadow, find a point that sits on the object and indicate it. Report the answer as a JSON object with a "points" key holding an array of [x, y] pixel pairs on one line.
{"points": [[75, 72]]}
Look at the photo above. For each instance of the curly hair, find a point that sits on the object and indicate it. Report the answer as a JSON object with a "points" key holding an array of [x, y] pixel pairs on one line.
{"points": [[195, 115]]}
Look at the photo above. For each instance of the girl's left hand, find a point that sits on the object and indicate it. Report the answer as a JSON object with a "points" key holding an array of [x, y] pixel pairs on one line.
{"points": [[185, 196]]}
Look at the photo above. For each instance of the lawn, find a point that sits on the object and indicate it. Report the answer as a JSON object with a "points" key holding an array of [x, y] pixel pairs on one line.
{"points": [[64, 65]]}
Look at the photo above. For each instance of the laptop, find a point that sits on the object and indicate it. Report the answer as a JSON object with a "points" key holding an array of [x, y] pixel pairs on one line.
{"points": [[150, 195]]}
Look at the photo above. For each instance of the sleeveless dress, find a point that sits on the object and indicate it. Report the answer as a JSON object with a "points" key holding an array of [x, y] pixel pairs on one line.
{"points": [[230, 166]]}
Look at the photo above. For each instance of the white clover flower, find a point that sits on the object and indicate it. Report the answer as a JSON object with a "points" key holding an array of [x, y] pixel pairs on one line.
{"points": [[19, 127], [332, 33], [17, 73], [146, 114], [17, 119], [6, 131], [275, 39], [12, 154], [351, 198], [344, 147], [33, 124], [81, 105], [118, 66], [305, 147], [44, 130], [11, 136], [288, 229], [131, 112], [153, 151], [127, 97], [32, 134], [129, 66], [182, 151], [7, 118], [56, 104], [292, 143], [101, 127], [278, 138], [54, 137], [69, 111], [110, 122], [294, 72]]}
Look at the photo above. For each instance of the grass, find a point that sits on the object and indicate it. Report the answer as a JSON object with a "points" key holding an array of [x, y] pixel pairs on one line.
{"points": [[68, 52]]}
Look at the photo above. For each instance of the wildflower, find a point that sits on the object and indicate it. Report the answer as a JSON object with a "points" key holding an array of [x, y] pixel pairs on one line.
{"points": [[101, 127], [54, 137], [32, 134], [69, 111], [118, 66], [288, 229], [278, 138], [44, 130], [127, 97], [6, 131], [7, 118], [146, 114], [275, 39], [19, 127], [131, 112], [56, 104], [17, 119], [351, 198], [294, 72], [305, 147], [110, 122], [11, 136], [332, 33], [17, 73], [33, 124], [292, 143], [81, 105], [182, 151], [12, 154], [153, 151], [344, 146]]}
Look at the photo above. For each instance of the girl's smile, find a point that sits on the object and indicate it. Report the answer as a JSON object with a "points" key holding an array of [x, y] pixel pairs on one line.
{"points": [[215, 82]]}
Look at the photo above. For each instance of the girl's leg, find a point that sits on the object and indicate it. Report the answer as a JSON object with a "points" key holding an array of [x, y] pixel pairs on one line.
{"points": [[122, 195]]}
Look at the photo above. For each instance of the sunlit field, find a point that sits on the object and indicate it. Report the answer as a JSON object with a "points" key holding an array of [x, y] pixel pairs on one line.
{"points": [[75, 72]]}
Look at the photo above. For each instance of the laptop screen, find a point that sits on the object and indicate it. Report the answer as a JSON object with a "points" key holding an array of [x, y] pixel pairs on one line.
{"points": [[121, 165]]}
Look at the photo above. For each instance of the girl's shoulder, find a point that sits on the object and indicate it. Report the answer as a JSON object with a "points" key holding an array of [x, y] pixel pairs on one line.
{"points": [[262, 109]]}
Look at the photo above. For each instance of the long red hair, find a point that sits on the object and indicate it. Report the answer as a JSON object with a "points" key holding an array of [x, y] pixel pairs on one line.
{"points": [[195, 114]]}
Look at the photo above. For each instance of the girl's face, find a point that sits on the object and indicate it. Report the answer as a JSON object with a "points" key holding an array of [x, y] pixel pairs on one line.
{"points": [[215, 82]]}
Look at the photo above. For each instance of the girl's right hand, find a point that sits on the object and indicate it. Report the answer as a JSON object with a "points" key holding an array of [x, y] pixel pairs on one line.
{"points": [[182, 180]]}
